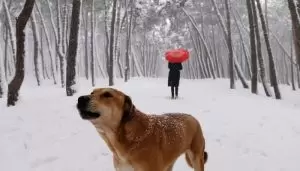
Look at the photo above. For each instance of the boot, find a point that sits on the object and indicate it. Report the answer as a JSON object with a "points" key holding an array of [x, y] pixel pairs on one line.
{"points": [[176, 92], [172, 92]]}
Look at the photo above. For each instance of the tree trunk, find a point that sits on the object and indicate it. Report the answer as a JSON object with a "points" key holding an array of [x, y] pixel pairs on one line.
{"points": [[1, 77], [128, 44], [225, 32], [273, 75], [296, 28], [259, 51], [292, 64], [10, 29], [15, 85], [106, 35], [72, 49], [48, 43], [36, 49], [86, 35], [6, 67], [229, 42], [111, 45], [92, 44], [253, 47], [60, 53]]}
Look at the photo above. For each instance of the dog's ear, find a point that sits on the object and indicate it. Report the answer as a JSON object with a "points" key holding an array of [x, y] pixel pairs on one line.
{"points": [[128, 109]]}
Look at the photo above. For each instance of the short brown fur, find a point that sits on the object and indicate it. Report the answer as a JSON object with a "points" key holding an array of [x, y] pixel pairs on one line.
{"points": [[144, 142]]}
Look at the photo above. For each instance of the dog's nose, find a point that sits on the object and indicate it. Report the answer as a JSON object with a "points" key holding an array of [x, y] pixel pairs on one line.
{"points": [[82, 101]]}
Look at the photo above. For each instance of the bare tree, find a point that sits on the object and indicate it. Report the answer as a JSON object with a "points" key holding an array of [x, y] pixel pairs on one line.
{"points": [[128, 42], [259, 51], [72, 50], [111, 44], [253, 48], [229, 42], [15, 85], [92, 43], [273, 74], [10, 30], [36, 48], [296, 27]]}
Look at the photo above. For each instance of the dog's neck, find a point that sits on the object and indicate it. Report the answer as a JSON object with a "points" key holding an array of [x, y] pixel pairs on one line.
{"points": [[127, 136], [136, 130]]}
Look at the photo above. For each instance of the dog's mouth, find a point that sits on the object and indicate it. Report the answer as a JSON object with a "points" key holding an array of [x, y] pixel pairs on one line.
{"points": [[86, 114]]}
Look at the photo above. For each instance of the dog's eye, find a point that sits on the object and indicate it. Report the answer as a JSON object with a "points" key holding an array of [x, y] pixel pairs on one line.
{"points": [[106, 95]]}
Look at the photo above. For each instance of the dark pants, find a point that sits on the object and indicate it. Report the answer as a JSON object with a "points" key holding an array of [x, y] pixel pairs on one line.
{"points": [[172, 91]]}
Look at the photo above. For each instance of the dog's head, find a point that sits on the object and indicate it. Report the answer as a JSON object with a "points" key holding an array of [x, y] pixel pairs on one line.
{"points": [[106, 106]]}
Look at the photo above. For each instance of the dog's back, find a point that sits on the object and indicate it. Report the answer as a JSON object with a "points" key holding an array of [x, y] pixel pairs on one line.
{"points": [[173, 134]]}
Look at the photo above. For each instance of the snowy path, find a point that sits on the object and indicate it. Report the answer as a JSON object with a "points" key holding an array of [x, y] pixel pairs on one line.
{"points": [[244, 132]]}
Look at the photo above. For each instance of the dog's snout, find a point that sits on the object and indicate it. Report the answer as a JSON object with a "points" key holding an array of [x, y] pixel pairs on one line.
{"points": [[82, 101]]}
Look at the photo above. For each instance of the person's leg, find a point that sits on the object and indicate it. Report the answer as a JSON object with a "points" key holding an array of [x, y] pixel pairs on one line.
{"points": [[172, 91], [176, 92]]}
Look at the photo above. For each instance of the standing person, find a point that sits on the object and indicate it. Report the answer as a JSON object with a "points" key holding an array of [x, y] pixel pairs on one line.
{"points": [[174, 77]]}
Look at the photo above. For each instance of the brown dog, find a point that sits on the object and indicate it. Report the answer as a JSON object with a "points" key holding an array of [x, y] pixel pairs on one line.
{"points": [[141, 142]]}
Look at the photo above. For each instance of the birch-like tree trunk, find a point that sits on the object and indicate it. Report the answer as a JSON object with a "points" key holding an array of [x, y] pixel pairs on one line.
{"points": [[15, 85], [48, 43], [10, 30], [273, 74], [86, 45], [72, 49], [6, 66], [128, 43], [92, 43], [225, 32], [36, 48]]}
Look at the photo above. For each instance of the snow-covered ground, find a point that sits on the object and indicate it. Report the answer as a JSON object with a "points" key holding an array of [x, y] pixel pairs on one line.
{"points": [[244, 132]]}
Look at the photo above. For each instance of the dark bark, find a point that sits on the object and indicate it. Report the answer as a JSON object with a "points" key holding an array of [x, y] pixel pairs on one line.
{"points": [[259, 51], [72, 49], [229, 42], [15, 85], [273, 75], [252, 47], [36, 49], [111, 45], [292, 65], [296, 27]]}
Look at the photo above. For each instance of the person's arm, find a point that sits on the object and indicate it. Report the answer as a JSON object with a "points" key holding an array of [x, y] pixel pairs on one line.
{"points": [[169, 65], [180, 66]]}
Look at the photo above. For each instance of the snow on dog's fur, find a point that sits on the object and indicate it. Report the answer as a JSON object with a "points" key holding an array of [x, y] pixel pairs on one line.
{"points": [[142, 142]]}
